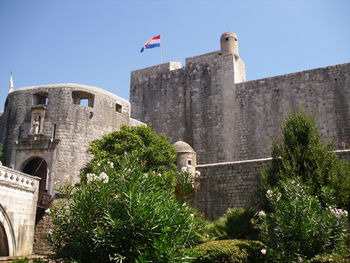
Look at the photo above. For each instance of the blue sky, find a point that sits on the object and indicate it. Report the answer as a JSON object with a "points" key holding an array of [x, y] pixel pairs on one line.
{"points": [[98, 42]]}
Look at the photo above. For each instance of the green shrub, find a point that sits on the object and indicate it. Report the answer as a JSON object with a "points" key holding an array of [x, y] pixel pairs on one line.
{"points": [[122, 215], [230, 251], [332, 258], [298, 227], [21, 260], [236, 223]]}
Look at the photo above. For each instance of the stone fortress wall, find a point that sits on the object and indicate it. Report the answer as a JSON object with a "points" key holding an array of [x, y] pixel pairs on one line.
{"points": [[223, 117], [56, 123], [230, 122]]}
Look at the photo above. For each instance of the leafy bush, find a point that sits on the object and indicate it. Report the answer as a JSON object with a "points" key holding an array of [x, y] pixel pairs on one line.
{"points": [[21, 260], [122, 215], [236, 223], [333, 258], [298, 227], [302, 153], [230, 251]]}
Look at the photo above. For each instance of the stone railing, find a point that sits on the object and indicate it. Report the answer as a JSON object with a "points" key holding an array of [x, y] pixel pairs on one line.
{"points": [[18, 180]]}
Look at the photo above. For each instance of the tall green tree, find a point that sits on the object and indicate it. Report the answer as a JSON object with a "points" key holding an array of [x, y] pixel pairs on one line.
{"points": [[301, 153], [303, 195]]}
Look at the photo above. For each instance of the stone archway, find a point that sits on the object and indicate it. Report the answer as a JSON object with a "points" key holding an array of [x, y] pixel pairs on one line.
{"points": [[7, 237], [37, 167], [4, 245]]}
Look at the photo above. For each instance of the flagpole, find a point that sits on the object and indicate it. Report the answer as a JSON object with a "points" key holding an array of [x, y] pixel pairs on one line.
{"points": [[160, 40]]}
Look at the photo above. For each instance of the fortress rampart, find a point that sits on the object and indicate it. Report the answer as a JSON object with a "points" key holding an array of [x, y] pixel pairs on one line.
{"points": [[209, 105]]}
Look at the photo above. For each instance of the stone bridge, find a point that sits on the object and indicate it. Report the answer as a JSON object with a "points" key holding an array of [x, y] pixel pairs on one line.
{"points": [[18, 204]]}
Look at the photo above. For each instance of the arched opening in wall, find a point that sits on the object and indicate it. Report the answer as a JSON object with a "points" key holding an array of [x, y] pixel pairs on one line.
{"points": [[4, 245], [37, 167]]}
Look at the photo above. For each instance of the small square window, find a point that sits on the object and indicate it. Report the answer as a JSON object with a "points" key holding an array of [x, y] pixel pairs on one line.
{"points": [[189, 162], [40, 98], [118, 108]]}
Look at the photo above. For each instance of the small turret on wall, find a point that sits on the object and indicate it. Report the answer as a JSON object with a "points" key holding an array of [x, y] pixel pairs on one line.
{"points": [[186, 157], [229, 46]]}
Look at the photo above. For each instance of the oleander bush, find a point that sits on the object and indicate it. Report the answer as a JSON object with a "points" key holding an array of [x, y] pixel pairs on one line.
{"points": [[298, 228], [230, 251], [125, 208]]}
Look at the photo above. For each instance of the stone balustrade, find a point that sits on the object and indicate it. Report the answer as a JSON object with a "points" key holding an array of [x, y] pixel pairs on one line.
{"points": [[18, 180]]}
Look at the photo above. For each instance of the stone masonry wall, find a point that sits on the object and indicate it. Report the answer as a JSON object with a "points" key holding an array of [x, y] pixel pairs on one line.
{"points": [[224, 121], [75, 126], [254, 110], [227, 185], [232, 184], [186, 103]]}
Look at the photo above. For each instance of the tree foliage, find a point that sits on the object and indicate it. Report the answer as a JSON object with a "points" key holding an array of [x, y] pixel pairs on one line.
{"points": [[301, 152], [153, 152], [305, 195]]}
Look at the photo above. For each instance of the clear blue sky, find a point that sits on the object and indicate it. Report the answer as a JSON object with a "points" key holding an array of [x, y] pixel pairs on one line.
{"points": [[97, 42]]}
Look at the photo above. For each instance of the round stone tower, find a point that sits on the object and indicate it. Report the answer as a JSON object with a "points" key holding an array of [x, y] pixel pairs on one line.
{"points": [[229, 44], [186, 157], [46, 129]]}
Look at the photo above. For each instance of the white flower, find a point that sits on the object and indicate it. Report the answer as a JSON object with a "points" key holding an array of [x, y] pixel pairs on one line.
{"points": [[192, 215], [262, 213], [111, 164], [103, 177], [116, 196], [90, 177], [98, 164], [263, 251], [48, 211], [269, 193], [145, 175], [184, 169], [338, 212]]}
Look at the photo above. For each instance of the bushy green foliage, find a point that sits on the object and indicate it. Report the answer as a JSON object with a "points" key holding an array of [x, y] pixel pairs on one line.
{"points": [[302, 153], [123, 215], [298, 227], [332, 258], [302, 192], [153, 152], [21, 260], [236, 223], [230, 251]]}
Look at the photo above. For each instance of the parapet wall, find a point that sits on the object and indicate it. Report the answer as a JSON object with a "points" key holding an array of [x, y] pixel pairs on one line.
{"points": [[233, 184], [226, 185]]}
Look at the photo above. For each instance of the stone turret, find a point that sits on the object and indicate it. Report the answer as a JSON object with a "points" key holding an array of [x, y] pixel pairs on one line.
{"points": [[229, 44], [186, 157]]}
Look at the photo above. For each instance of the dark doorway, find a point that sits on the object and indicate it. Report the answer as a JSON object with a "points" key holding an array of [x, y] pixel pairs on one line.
{"points": [[4, 246], [37, 167]]}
